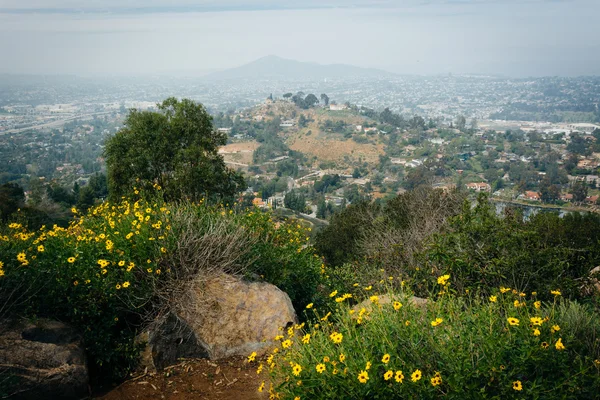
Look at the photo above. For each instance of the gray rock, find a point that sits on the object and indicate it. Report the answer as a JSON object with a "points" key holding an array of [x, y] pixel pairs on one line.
{"points": [[42, 360], [223, 316]]}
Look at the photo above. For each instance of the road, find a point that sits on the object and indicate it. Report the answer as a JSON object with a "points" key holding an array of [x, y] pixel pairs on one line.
{"points": [[57, 123]]}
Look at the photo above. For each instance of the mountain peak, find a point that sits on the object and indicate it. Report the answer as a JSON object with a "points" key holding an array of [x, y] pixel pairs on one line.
{"points": [[275, 67]]}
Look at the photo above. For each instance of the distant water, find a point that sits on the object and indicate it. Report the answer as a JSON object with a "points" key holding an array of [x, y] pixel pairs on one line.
{"points": [[528, 210]]}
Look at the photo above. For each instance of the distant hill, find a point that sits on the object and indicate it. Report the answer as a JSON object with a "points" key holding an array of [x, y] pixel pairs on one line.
{"points": [[273, 67]]}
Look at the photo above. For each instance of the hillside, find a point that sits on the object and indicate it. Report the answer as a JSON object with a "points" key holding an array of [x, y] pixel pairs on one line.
{"points": [[318, 143], [273, 67]]}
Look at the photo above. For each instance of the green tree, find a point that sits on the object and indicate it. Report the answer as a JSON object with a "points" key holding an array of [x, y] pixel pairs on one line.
{"points": [[295, 201], [579, 192], [461, 122], [12, 197], [174, 148], [325, 99], [310, 100], [549, 193]]}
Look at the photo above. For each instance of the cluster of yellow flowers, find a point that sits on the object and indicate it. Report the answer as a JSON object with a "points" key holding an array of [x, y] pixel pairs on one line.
{"points": [[104, 225]]}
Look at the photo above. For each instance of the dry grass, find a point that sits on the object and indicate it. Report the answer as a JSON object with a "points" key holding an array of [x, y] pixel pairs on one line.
{"points": [[411, 219], [206, 246]]}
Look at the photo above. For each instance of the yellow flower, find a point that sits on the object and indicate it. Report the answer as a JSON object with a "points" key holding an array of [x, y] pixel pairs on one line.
{"points": [[333, 294], [1, 272], [397, 305], [555, 292], [252, 357], [149, 270], [368, 366], [416, 375], [336, 337], [71, 260], [121, 263], [118, 286], [21, 257], [493, 299], [517, 385], [513, 321], [369, 287], [545, 345], [559, 344], [310, 305], [517, 303], [399, 376], [306, 338], [388, 375], [443, 280], [75, 283], [320, 368], [40, 248], [536, 332], [537, 304], [126, 284], [158, 272], [386, 358], [104, 271], [363, 377], [326, 359], [555, 328], [437, 322], [163, 250], [536, 321], [262, 385], [74, 210], [342, 357], [374, 299], [504, 290], [297, 369], [436, 380], [407, 322], [259, 369], [286, 344]]}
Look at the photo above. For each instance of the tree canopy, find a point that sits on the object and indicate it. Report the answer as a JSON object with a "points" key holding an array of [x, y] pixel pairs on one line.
{"points": [[173, 150]]}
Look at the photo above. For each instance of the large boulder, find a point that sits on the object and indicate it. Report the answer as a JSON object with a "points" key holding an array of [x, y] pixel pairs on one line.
{"points": [[222, 316], [42, 360]]}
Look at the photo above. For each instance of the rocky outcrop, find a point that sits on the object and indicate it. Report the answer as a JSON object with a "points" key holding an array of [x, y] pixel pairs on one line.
{"points": [[223, 316], [42, 360]]}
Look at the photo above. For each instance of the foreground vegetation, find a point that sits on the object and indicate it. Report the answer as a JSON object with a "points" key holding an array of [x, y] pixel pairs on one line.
{"points": [[122, 264], [509, 345]]}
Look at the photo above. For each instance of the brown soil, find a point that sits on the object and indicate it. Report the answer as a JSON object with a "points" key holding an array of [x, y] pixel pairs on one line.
{"points": [[231, 379], [329, 148]]}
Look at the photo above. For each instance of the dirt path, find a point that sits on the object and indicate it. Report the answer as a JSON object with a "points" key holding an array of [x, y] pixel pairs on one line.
{"points": [[231, 379]]}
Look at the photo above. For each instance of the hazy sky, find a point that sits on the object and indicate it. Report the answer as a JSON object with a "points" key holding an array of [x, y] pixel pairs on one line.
{"points": [[107, 37]]}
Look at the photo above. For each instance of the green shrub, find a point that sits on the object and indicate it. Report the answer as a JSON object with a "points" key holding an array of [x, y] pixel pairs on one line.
{"points": [[120, 266], [482, 250], [455, 348]]}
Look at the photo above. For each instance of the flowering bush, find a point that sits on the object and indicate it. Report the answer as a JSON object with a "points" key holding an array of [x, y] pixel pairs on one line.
{"points": [[510, 345], [108, 271]]}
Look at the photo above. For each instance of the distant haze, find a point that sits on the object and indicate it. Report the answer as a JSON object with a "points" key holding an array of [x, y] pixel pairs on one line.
{"points": [[185, 37]]}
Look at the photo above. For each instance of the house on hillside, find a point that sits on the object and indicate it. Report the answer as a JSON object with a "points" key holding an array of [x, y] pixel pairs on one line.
{"points": [[529, 195], [479, 187], [591, 199], [337, 107], [566, 197]]}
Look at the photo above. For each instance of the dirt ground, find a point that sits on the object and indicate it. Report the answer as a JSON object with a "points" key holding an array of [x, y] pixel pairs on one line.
{"points": [[230, 379]]}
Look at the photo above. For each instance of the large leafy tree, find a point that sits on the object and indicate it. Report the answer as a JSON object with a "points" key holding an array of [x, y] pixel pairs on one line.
{"points": [[175, 150]]}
